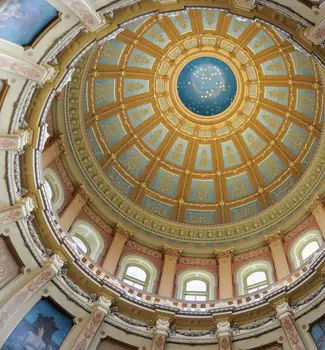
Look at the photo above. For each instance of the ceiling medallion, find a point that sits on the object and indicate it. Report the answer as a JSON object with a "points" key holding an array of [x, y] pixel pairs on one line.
{"points": [[206, 86]]}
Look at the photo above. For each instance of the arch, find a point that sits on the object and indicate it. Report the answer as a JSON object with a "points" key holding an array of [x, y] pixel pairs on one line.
{"points": [[245, 271], [138, 261], [301, 242], [202, 275], [53, 185], [90, 237]]}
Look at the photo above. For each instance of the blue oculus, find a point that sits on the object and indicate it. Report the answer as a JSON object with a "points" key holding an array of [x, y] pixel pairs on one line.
{"points": [[206, 86]]}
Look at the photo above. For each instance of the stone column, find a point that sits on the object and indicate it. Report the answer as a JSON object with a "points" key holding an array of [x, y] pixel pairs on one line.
{"points": [[73, 209], [278, 255], [84, 10], [160, 334], [17, 212], [115, 250], [25, 69], [318, 211], [171, 256], [25, 291], [289, 327], [224, 335], [52, 151], [225, 273], [86, 336], [15, 142]]}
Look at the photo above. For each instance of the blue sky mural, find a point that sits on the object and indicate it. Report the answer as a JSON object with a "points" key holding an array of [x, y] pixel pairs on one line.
{"points": [[21, 21]]}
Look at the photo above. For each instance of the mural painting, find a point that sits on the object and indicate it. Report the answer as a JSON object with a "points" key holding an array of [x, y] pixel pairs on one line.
{"points": [[21, 21], [318, 333], [43, 328]]}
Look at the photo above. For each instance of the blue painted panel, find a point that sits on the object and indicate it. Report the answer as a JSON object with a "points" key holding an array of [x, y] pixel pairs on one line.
{"points": [[318, 333], [270, 120], [111, 52], [165, 183], [302, 63], [119, 181], [237, 27], [94, 143], [139, 114], [271, 168], [182, 23], [177, 153], [281, 190], [104, 91], [112, 130], [278, 94], [210, 19], [155, 137], [244, 211], [140, 59], [254, 143], [203, 158], [260, 42], [157, 207], [134, 161], [202, 191], [282, 35], [21, 21], [275, 66], [230, 154], [239, 186], [201, 217], [134, 87], [136, 24], [310, 154], [46, 315], [157, 36], [306, 102], [295, 138]]}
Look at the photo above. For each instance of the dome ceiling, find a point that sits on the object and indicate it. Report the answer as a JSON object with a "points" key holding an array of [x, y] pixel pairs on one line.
{"points": [[201, 117]]}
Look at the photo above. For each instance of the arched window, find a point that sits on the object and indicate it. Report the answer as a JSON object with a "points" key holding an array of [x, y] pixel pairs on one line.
{"points": [[196, 290], [136, 277], [137, 272], [54, 189], [254, 276], [255, 281], [305, 246], [196, 285], [87, 239]]}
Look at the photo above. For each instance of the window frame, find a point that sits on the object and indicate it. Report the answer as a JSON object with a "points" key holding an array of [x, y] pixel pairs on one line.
{"points": [[135, 280], [259, 285], [79, 236], [196, 293], [299, 252]]}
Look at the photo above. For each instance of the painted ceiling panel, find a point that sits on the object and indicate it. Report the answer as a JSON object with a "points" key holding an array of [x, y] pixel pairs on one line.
{"points": [[157, 36], [155, 137], [177, 153], [277, 94], [94, 143], [202, 191], [204, 158], [119, 181], [134, 87], [104, 91], [200, 217], [239, 186], [283, 189], [140, 59], [157, 207], [275, 66], [271, 168], [139, 114], [306, 102], [244, 211], [230, 154], [134, 161], [134, 25], [260, 42], [182, 23], [254, 142], [209, 19], [302, 64], [270, 120], [112, 130], [237, 27], [165, 183], [310, 154], [111, 52], [295, 139]]}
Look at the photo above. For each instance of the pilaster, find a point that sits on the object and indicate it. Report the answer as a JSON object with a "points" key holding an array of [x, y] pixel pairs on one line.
{"points": [[225, 273], [87, 334], [18, 211], [15, 142], [160, 334], [318, 211], [171, 256], [115, 250], [53, 150], [224, 335]]}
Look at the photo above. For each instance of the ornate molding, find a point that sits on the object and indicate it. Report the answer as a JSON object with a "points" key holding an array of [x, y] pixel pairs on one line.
{"points": [[171, 251]]}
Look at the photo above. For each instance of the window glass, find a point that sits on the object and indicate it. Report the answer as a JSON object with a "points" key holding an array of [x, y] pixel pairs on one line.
{"points": [[136, 272], [256, 277], [48, 191], [309, 249], [80, 244], [196, 286]]}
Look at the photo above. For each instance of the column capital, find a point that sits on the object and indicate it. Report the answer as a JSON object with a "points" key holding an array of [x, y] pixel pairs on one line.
{"points": [[171, 251], [274, 237], [122, 232], [162, 326], [283, 309], [222, 254], [83, 194], [315, 204], [103, 304], [223, 327], [56, 261]]}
